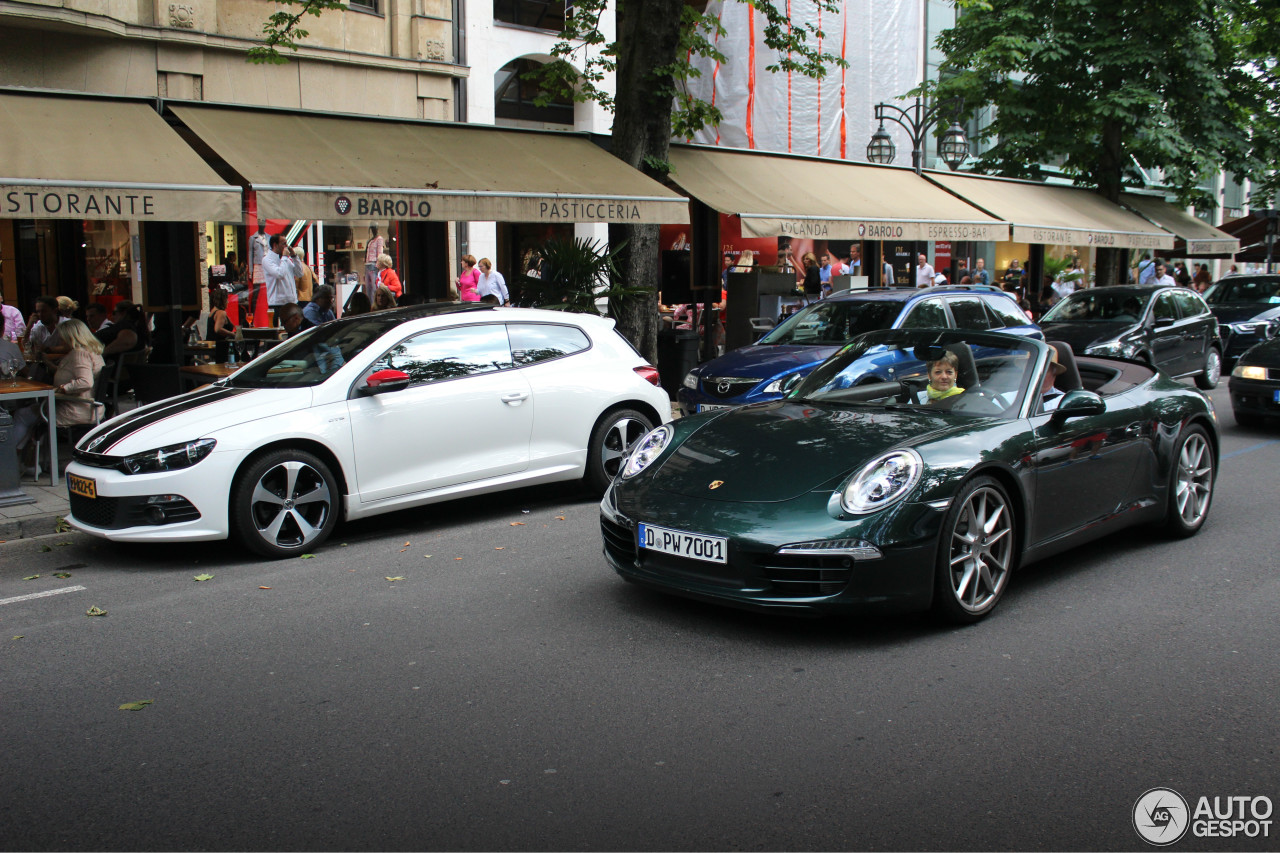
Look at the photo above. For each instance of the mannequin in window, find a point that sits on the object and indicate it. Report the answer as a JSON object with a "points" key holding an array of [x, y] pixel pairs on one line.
{"points": [[371, 251], [259, 245]]}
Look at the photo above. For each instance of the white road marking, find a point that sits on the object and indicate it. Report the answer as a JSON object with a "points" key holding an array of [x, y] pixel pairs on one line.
{"points": [[44, 594]]}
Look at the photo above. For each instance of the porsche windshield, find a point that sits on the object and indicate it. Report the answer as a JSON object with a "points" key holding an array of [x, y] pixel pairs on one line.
{"points": [[964, 373], [1098, 305], [833, 322], [314, 355]]}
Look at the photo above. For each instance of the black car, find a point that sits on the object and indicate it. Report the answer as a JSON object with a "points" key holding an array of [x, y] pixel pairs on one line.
{"points": [[1248, 311], [1169, 327], [1255, 384]]}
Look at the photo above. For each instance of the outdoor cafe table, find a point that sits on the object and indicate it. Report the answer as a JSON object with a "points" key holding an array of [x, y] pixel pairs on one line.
{"points": [[25, 389], [194, 375]]}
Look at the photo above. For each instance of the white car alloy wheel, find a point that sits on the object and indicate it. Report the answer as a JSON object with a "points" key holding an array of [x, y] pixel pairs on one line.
{"points": [[611, 441], [284, 503]]}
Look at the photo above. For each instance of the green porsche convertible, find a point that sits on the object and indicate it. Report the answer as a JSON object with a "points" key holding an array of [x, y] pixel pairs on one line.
{"points": [[985, 453]]}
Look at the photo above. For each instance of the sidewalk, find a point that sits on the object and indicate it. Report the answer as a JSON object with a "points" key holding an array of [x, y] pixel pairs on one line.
{"points": [[39, 518]]}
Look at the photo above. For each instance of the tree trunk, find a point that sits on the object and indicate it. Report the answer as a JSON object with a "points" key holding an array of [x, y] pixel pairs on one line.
{"points": [[1108, 177], [648, 39]]}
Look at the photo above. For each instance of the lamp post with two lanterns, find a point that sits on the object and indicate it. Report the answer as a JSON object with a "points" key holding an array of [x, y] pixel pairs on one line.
{"points": [[917, 120]]}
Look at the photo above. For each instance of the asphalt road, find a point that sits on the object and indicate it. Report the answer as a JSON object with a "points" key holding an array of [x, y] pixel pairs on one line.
{"points": [[510, 692]]}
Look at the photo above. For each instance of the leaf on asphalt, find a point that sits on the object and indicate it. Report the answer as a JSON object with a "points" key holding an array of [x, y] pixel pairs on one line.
{"points": [[30, 577], [427, 556], [18, 636], [62, 574], [457, 558], [62, 526], [44, 549], [95, 611], [264, 587], [307, 557], [136, 706], [204, 577], [399, 578], [499, 548], [517, 524], [402, 550], [406, 544], [559, 518], [63, 544]]}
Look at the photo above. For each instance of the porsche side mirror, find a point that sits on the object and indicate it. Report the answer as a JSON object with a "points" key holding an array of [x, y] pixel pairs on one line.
{"points": [[383, 381], [1078, 404], [791, 383]]}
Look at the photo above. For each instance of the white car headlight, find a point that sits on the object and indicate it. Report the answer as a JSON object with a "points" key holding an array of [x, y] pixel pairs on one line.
{"points": [[1249, 372], [647, 449], [882, 481], [170, 458], [691, 381]]}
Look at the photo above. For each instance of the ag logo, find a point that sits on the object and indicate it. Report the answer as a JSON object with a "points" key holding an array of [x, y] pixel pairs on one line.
{"points": [[1161, 816], [342, 204]]}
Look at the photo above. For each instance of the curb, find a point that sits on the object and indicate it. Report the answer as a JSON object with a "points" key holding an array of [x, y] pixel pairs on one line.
{"points": [[25, 528]]}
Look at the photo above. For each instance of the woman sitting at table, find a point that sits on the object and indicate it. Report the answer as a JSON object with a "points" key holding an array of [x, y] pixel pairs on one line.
{"points": [[383, 298], [219, 327], [77, 371]]}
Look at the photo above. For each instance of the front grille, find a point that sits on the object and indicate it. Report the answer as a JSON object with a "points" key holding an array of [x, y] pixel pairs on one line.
{"points": [[118, 513], [95, 512], [805, 575], [726, 387], [619, 541]]}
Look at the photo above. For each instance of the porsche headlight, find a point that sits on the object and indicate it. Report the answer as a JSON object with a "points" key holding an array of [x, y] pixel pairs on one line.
{"points": [[1249, 372], [647, 449], [691, 381], [170, 458], [882, 481]]}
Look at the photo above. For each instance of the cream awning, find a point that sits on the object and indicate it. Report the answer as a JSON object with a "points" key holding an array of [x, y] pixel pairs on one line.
{"points": [[95, 158], [783, 195], [1054, 215], [1200, 237], [326, 167]]}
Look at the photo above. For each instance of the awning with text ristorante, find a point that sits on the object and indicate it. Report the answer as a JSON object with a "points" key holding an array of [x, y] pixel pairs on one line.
{"points": [[784, 195], [64, 157], [1056, 215], [338, 167], [1197, 238]]}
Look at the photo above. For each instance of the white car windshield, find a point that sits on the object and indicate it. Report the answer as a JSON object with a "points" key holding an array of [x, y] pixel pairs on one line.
{"points": [[314, 355]]}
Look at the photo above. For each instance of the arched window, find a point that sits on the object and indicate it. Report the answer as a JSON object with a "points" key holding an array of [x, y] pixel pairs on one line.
{"points": [[514, 97], [539, 14]]}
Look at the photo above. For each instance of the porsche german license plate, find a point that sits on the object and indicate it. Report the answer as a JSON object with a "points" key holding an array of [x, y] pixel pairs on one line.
{"points": [[711, 407], [679, 543], [82, 486]]}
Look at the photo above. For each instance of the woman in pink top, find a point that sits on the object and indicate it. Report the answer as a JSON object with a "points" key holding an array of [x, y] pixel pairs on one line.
{"points": [[469, 280]]}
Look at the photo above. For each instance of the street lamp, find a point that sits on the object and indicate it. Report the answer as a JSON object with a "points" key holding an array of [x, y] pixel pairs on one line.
{"points": [[917, 120]]}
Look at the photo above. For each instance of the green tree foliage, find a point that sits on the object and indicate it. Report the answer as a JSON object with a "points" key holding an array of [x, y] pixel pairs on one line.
{"points": [[283, 29], [1184, 86]]}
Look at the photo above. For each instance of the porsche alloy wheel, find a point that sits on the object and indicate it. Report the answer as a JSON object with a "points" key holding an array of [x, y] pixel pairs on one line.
{"points": [[1191, 488], [284, 503], [611, 440], [977, 554]]}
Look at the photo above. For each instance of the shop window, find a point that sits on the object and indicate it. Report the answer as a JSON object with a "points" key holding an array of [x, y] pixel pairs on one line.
{"points": [[539, 14], [514, 97]]}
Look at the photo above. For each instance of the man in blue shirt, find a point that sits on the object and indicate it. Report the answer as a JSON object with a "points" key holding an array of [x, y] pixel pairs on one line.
{"points": [[1146, 269], [980, 275], [320, 309]]}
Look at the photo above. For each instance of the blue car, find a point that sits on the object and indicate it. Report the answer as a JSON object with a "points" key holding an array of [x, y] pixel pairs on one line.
{"points": [[809, 337]]}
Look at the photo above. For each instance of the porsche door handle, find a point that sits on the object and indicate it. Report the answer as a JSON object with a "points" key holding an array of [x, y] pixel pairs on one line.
{"points": [[515, 398], [1133, 430]]}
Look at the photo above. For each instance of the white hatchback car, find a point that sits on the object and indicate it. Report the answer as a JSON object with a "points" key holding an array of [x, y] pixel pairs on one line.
{"points": [[366, 415]]}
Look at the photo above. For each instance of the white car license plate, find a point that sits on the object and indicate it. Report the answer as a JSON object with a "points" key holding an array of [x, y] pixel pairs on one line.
{"points": [[708, 407], [695, 546]]}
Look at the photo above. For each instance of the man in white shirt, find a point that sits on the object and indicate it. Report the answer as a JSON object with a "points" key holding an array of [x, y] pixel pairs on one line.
{"points": [[1162, 277], [924, 272], [281, 269], [888, 279], [492, 283]]}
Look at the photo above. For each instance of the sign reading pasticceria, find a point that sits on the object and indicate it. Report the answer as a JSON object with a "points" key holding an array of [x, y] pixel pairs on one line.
{"points": [[131, 203], [458, 206]]}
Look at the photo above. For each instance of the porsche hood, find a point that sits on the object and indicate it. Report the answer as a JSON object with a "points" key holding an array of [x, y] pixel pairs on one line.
{"points": [[778, 451]]}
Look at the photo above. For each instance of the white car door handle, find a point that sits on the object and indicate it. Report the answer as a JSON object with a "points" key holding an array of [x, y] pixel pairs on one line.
{"points": [[515, 397]]}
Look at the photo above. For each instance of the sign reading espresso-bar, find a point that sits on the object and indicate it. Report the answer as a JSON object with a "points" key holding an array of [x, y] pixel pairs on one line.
{"points": [[446, 206]]}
